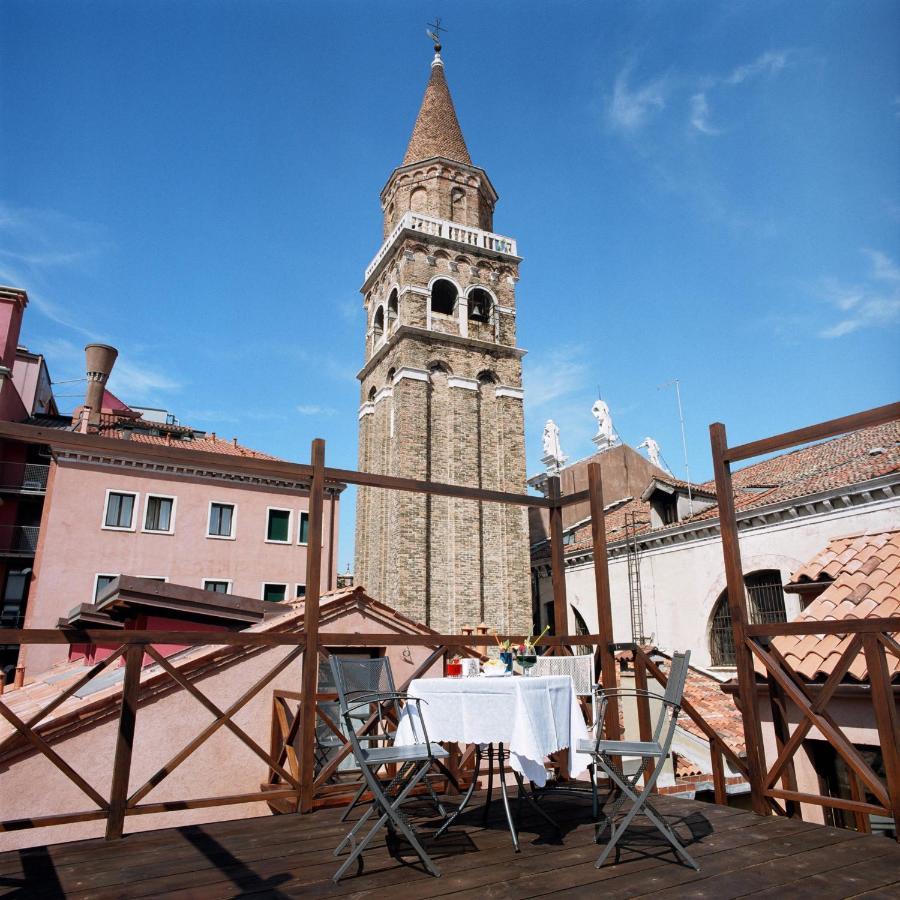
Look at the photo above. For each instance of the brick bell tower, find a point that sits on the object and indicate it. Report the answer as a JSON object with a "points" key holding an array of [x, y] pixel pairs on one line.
{"points": [[441, 390]]}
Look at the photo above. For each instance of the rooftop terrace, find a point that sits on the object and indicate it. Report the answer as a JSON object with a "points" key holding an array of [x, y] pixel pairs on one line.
{"points": [[287, 856]]}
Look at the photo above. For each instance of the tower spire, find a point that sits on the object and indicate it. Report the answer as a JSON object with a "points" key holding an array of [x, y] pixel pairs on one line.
{"points": [[437, 131]]}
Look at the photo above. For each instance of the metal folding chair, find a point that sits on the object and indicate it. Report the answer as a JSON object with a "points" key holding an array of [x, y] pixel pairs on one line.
{"points": [[361, 686], [651, 753], [580, 669]]}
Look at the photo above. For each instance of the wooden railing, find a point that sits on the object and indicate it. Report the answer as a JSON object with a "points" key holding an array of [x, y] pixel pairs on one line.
{"points": [[754, 642]]}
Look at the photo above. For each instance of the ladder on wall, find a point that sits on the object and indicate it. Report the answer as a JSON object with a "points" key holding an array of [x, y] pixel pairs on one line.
{"points": [[634, 580]]}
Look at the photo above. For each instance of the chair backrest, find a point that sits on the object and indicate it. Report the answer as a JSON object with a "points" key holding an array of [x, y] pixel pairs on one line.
{"points": [[356, 678], [579, 668], [674, 692]]}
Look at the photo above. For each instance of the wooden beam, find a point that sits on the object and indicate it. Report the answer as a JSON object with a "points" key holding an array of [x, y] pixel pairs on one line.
{"points": [[830, 626], [557, 561], [310, 677], [821, 431], [821, 800], [118, 799], [886, 719], [608, 675], [737, 605], [645, 729]]}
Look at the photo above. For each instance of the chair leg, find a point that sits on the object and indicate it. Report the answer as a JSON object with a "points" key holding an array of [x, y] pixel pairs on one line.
{"points": [[391, 814], [354, 802]]}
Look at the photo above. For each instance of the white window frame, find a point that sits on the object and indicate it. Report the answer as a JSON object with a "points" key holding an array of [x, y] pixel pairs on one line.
{"points": [[135, 509], [147, 498], [162, 578], [97, 577], [297, 585], [285, 584], [289, 540], [228, 582], [234, 513], [300, 514]]}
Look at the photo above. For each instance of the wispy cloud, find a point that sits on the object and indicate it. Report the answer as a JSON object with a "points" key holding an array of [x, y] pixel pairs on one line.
{"points": [[556, 374], [629, 106], [875, 303], [312, 409], [700, 115], [769, 63]]}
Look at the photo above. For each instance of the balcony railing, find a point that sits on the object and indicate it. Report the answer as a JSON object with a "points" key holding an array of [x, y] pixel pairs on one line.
{"points": [[18, 540], [17, 476], [444, 228]]}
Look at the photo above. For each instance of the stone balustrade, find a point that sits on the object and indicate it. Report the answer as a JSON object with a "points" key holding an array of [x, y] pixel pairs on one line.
{"points": [[444, 228]]}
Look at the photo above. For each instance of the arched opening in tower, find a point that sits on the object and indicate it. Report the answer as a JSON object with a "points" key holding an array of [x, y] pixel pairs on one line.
{"points": [[443, 297]]}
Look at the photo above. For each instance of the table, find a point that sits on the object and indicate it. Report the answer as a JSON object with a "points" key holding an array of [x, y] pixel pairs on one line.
{"points": [[528, 717]]}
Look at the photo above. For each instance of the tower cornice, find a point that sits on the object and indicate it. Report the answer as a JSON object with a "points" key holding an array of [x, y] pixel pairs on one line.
{"points": [[447, 163], [436, 337]]}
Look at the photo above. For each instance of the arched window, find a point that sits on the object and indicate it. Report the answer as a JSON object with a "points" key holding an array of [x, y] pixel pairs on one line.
{"points": [[372, 393], [378, 324], [443, 297], [390, 376], [393, 309], [479, 305], [487, 377], [458, 205], [440, 367], [765, 604], [418, 200]]}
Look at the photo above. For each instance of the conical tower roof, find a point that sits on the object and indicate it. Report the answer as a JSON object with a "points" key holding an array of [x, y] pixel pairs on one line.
{"points": [[437, 131]]}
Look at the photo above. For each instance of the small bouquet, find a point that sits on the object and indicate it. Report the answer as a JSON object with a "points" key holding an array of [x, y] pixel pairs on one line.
{"points": [[526, 654], [454, 667]]}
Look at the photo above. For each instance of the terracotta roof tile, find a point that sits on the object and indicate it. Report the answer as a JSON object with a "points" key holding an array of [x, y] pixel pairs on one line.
{"points": [[864, 587]]}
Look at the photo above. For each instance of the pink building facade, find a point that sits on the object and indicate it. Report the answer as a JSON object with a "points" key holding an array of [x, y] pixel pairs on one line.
{"points": [[106, 517]]}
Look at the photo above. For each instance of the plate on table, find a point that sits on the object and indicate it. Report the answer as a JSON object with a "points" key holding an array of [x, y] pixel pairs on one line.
{"points": [[494, 673]]}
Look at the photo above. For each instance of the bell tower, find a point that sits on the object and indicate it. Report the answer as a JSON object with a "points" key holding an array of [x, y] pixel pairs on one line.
{"points": [[441, 390]]}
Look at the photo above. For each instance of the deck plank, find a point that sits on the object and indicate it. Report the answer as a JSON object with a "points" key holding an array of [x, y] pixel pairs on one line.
{"points": [[291, 856]]}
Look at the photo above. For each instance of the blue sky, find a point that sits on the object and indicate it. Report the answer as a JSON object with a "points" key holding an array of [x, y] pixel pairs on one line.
{"points": [[702, 191]]}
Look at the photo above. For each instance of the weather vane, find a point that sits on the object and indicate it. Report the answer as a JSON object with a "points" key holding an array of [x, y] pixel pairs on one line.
{"points": [[436, 34]]}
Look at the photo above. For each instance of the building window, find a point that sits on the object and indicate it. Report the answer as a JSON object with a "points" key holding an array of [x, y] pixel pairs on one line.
{"points": [[393, 309], [159, 515], [378, 324], [217, 587], [221, 520], [278, 526], [274, 593], [303, 537], [765, 605], [119, 510], [101, 582], [300, 591]]}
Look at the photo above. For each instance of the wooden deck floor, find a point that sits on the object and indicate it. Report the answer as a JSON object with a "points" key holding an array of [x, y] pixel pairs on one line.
{"points": [[290, 856]]}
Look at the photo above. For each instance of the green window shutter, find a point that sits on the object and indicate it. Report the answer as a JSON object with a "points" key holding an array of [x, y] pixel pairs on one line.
{"points": [[273, 593], [279, 524]]}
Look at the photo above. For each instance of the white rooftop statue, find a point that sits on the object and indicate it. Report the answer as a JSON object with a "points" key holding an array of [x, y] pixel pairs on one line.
{"points": [[553, 457], [652, 448], [606, 436]]}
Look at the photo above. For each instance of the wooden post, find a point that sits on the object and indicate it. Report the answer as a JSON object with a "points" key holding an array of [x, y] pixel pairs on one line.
{"points": [[885, 718], [643, 705], [557, 561], [604, 600], [782, 729], [118, 795], [718, 772], [737, 605], [310, 678]]}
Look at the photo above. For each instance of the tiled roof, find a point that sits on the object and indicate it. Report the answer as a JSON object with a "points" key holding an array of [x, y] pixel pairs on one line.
{"points": [[851, 459], [437, 131], [863, 576]]}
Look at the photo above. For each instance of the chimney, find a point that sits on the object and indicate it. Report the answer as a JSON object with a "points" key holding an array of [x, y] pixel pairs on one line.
{"points": [[100, 360]]}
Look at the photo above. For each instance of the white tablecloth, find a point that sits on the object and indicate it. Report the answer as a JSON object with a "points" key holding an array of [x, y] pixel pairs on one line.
{"points": [[532, 716]]}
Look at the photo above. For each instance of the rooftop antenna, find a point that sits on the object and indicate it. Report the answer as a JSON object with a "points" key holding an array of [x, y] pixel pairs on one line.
{"points": [[436, 34], [687, 471]]}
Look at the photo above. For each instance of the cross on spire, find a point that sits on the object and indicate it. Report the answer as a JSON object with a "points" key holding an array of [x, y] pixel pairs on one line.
{"points": [[435, 35]]}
